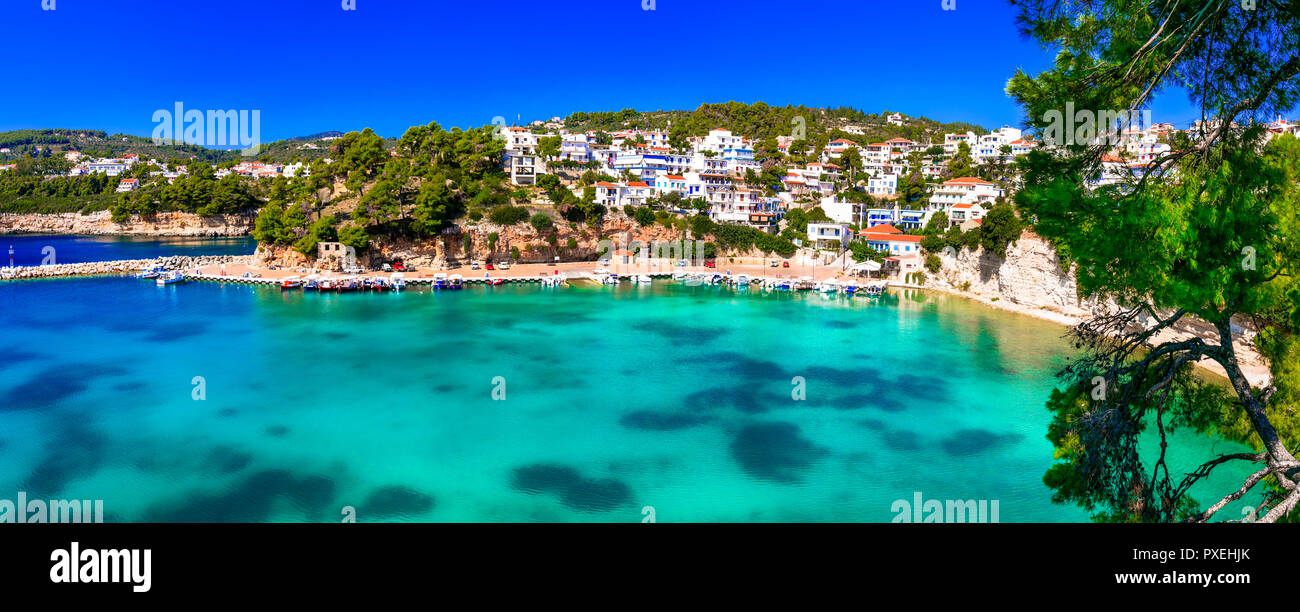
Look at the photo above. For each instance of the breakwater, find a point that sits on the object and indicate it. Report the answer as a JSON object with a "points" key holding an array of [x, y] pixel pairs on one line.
{"points": [[95, 268]]}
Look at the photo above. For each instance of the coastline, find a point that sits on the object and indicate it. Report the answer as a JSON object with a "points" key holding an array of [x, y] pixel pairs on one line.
{"points": [[100, 223]]}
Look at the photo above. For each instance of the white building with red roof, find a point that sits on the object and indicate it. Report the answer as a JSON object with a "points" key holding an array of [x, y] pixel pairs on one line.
{"points": [[889, 239], [968, 192]]}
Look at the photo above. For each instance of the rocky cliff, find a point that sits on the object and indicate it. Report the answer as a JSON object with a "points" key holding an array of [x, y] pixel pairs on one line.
{"points": [[449, 249], [1030, 280], [99, 223]]}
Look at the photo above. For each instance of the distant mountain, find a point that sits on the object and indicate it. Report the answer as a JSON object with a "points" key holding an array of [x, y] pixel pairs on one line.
{"points": [[331, 134]]}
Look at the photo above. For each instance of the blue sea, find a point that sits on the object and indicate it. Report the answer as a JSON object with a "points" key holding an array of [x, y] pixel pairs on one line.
{"points": [[208, 402], [36, 249]]}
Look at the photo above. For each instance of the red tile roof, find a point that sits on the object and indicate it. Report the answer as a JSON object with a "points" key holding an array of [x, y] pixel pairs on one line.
{"points": [[883, 228]]}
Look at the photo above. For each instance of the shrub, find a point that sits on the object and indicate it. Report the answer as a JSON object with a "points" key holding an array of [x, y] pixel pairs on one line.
{"points": [[541, 223], [508, 215], [933, 263]]}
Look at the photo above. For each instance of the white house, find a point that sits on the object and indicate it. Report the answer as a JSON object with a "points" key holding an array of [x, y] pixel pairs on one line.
{"points": [[889, 239], [829, 235], [128, 185], [965, 190], [886, 185]]}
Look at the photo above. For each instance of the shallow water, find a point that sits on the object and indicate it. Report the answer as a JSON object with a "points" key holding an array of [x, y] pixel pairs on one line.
{"points": [[615, 399]]}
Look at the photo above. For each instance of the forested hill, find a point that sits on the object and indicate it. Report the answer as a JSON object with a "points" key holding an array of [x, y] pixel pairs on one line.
{"points": [[760, 122], [97, 143]]}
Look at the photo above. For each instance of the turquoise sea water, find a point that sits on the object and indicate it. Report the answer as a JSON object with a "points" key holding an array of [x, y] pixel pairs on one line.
{"points": [[674, 397]]}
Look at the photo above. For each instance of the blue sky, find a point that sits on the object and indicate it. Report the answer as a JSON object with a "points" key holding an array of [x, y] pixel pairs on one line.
{"points": [[310, 66]]}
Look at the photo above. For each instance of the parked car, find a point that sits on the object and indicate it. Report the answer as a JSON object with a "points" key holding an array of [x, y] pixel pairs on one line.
{"points": [[709, 263], [399, 266], [505, 265], [776, 264], [386, 268], [473, 265], [785, 264], [489, 266]]}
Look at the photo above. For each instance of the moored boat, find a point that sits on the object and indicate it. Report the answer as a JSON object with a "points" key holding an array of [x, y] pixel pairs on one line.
{"points": [[456, 281], [397, 281], [440, 281], [150, 273], [644, 279], [170, 278], [292, 282]]}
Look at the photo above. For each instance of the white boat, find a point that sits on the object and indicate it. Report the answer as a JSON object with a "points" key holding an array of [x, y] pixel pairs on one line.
{"points": [[644, 279], [150, 273], [741, 280], [456, 281], [170, 278], [610, 279], [849, 287], [440, 280], [398, 281], [828, 286], [680, 275]]}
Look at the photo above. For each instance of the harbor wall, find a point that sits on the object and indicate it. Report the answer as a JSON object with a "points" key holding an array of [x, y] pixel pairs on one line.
{"points": [[122, 266]]}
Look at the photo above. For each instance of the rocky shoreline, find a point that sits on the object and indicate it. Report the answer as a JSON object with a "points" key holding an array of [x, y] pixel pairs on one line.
{"points": [[101, 224], [1030, 281], [129, 266]]}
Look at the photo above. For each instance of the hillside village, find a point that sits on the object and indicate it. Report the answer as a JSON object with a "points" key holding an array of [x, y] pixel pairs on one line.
{"points": [[892, 200]]}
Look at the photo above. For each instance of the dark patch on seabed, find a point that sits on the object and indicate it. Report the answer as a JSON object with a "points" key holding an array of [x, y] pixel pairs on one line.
{"points": [[51, 386], [277, 431], [74, 452], [395, 501], [834, 324], [253, 500], [974, 441], [901, 440], [171, 333], [573, 490], [227, 460], [648, 420], [226, 413], [774, 451], [15, 357], [680, 333], [746, 398]]}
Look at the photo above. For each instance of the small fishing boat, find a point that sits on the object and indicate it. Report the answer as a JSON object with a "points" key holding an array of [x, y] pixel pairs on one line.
{"points": [[828, 286], [609, 279], [379, 285], [440, 280], [741, 280], [498, 281], [849, 287], [871, 289], [644, 279], [170, 278], [680, 275], [397, 281], [328, 284], [292, 282], [456, 281], [804, 283], [716, 279], [150, 273], [312, 283], [348, 285]]}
